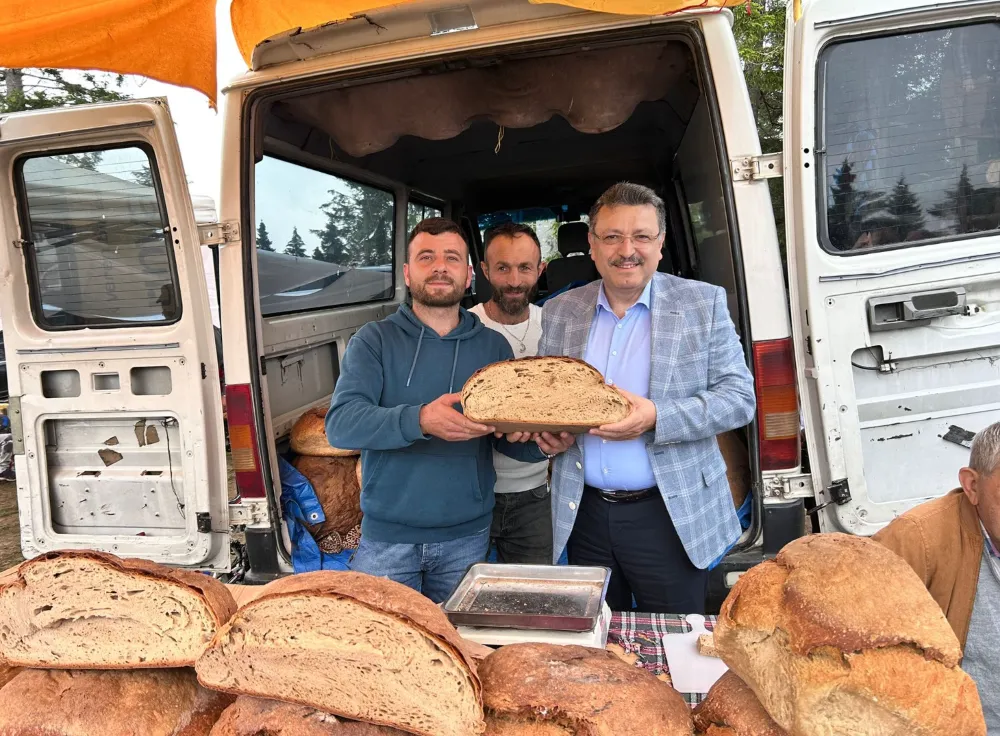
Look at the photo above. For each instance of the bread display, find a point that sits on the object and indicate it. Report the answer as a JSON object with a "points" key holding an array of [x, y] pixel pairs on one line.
{"points": [[108, 703], [553, 394], [335, 481], [837, 635], [553, 690], [308, 436], [353, 645], [90, 610], [260, 717], [731, 709]]}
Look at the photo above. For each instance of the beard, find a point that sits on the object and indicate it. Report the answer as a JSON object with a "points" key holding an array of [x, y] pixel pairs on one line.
{"points": [[513, 302], [422, 295]]}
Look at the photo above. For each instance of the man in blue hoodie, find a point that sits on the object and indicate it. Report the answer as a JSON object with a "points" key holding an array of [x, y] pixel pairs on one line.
{"points": [[427, 490]]}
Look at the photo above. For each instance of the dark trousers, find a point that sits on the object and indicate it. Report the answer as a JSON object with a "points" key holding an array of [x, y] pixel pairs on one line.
{"points": [[637, 540], [522, 527]]}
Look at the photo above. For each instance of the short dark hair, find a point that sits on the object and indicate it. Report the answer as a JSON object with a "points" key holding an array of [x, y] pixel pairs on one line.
{"points": [[436, 226], [627, 194], [510, 230]]}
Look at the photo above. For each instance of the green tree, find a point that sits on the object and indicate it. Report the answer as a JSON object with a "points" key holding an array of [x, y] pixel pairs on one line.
{"points": [[37, 89], [296, 247], [358, 229], [263, 239], [959, 204], [905, 215], [852, 212]]}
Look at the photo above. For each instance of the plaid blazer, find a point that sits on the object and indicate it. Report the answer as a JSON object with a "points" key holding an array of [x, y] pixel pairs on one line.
{"points": [[701, 386]]}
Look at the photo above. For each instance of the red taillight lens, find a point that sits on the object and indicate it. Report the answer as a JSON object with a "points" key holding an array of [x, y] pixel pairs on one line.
{"points": [[243, 441], [777, 404]]}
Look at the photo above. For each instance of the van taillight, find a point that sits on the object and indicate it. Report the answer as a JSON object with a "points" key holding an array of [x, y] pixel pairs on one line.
{"points": [[777, 404], [243, 441]]}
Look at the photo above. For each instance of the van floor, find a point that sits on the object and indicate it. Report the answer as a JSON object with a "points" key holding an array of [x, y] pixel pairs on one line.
{"points": [[10, 533]]}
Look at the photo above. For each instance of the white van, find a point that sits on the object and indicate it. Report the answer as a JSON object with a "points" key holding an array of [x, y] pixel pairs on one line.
{"points": [[885, 345]]}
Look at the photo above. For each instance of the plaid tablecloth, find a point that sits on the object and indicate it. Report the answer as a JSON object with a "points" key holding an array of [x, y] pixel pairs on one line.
{"points": [[642, 634]]}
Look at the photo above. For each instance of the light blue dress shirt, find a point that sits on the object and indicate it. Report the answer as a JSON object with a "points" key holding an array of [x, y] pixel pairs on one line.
{"points": [[620, 350]]}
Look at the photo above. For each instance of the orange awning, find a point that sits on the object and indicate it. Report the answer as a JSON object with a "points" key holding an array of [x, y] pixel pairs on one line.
{"points": [[174, 41]]}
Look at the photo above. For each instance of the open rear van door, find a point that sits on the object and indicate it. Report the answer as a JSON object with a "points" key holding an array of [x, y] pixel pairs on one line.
{"points": [[892, 165], [114, 383]]}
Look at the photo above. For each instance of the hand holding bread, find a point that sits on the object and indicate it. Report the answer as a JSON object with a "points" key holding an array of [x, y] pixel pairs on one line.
{"points": [[640, 419], [440, 419]]}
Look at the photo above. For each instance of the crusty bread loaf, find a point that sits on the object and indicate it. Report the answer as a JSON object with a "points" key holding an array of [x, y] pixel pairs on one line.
{"points": [[308, 436], [552, 394], [90, 610], [732, 709], [102, 703], [7, 673], [838, 635], [335, 481], [354, 645], [261, 717], [554, 690], [357, 473], [737, 459]]}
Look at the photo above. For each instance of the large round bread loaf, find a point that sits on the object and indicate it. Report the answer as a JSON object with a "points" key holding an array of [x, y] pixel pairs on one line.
{"points": [[308, 436], [731, 709], [108, 703], [837, 635], [91, 610], [553, 690], [7, 673], [335, 481], [542, 394], [261, 717], [354, 645]]}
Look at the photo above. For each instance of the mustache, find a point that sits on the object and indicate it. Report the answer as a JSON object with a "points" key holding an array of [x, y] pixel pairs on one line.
{"points": [[633, 260]]}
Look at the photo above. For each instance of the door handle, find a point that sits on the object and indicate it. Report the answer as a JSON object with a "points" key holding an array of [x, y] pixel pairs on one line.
{"points": [[903, 311]]}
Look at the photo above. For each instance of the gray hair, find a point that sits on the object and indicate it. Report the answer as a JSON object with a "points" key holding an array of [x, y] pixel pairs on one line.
{"points": [[627, 194], [985, 455]]}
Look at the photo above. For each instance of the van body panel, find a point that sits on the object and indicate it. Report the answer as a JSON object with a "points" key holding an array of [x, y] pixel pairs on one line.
{"points": [[109, 339], [894, 255]]}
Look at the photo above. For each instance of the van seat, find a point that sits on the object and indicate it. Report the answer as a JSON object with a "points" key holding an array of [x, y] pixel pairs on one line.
{"points": [[575, 264]]}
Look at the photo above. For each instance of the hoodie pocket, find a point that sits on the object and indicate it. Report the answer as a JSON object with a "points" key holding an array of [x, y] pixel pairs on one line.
{"points": [[425, 490]]}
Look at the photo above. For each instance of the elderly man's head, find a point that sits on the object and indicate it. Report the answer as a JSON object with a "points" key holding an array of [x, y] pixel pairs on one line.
{"points": [[981, 480]]}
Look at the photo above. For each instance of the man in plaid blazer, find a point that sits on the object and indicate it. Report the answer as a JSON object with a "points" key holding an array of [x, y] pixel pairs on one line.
{"points": [[648, 497]]}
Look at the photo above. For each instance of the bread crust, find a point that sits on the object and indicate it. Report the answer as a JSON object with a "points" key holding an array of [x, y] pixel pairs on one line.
{"points": [[587, 692], [217, 598], [731, 707], [111, 703], [838, 629], [250, 716], [377, 594], [335, 481], [308, 436], [508, 424]]}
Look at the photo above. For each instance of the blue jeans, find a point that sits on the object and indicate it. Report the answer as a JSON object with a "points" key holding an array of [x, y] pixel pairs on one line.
{"points": [[432, 569]]}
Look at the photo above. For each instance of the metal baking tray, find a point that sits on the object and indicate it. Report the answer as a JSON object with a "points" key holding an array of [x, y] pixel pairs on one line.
{"points": [[552, 597]]}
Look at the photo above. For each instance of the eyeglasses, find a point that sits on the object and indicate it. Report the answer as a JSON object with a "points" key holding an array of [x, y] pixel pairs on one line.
{"points": [[639, 239]]}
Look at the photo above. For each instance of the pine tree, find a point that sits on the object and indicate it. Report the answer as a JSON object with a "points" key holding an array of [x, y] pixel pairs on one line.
{"points": [[906, 216], [851, 212], [296, 246], [263, 239], [959, 204], [358, 230]]}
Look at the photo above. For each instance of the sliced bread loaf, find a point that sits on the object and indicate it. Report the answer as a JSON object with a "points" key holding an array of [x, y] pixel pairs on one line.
{"points": [[838, 635], [308, 436], [335, 481], [553, 394], [7, 673], [121, 703], [731, 709], [554, 690], [90, 610], [353, 645], [261, 717]]}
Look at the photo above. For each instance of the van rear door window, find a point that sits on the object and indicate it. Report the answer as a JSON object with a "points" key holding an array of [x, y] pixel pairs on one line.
{"points": [[910, 138], [97, 241], [331, 239]]}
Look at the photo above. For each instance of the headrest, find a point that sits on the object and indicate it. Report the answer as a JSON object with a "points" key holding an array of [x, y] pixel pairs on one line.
{"points": [[573, 238]]}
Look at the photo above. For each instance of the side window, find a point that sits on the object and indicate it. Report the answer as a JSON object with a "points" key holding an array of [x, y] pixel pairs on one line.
{"points": [[910, 151], [322, 241], [415, 212], [99, 251]]}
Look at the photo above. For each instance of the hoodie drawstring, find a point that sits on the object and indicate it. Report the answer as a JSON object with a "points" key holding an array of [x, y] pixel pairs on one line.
{"points": [[454, 365], [417, 354]]}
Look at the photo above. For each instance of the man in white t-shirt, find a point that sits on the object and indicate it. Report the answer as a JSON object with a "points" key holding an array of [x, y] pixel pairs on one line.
{"points": [[522, 517]]}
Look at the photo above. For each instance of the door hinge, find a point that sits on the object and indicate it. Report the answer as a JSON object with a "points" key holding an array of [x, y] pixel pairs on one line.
{"points": [[751, 168], [219, 233], [839, 493], [16, 424]]}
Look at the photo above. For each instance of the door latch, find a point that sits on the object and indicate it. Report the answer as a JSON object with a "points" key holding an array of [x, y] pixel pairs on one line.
{"points": [[839, 493]]}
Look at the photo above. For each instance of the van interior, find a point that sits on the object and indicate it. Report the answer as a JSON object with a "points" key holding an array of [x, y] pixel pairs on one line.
{"points": [[530, 134]]}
